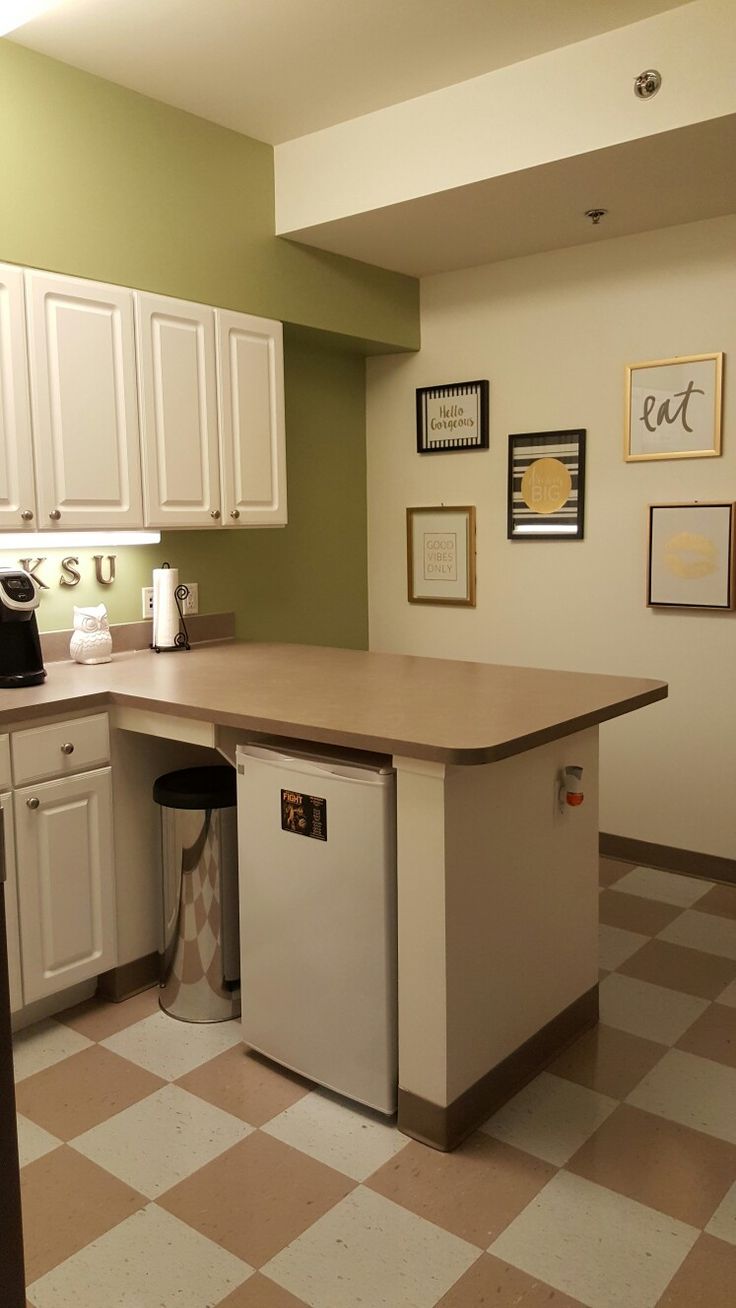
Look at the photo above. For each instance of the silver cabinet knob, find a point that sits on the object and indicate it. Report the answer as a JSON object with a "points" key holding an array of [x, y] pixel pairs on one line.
{"points": [[27, 515], [215, 513], [235, 513], [55, 514], [33, 802], [67, 747]]}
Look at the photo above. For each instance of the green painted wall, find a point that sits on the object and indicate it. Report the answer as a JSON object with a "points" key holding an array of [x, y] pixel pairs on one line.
{"points": [[101, 182], [104, 183]]}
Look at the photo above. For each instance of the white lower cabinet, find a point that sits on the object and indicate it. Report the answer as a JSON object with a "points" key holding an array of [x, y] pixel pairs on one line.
{"points": [[66, 882], [11, 905]]}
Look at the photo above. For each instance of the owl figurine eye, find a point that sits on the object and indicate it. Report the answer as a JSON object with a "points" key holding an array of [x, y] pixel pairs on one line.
{"points": [[91, 640]]}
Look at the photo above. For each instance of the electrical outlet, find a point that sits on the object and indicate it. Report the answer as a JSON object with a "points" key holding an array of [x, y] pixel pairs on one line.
{"points": [[147, 601], [191, 603]]}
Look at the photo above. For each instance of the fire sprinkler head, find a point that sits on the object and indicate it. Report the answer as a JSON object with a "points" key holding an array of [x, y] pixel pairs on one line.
{"points": [[595, 215]]}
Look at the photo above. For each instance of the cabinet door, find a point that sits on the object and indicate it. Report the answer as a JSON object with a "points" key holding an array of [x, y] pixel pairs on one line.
{"points": [[178, 390], [253, 441], [85, 409], [17, 491], [66, 888], [11, 905]]}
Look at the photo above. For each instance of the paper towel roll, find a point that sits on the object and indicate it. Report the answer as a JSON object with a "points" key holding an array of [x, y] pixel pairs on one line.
{"points": [[165, 612]]}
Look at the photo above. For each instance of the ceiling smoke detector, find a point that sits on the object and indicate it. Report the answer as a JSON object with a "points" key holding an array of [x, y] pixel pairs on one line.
{"points": [[595, 215], [647, 84]]}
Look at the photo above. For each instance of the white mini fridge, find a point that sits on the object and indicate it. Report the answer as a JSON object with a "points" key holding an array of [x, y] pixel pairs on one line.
{"points": [[317, 860]]}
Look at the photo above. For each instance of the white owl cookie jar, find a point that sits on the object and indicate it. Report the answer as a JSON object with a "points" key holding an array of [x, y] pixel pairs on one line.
{"points": [[91, 640]]}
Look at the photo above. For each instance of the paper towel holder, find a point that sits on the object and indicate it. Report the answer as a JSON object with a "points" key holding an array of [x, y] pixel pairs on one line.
{"points": [[181, 640]]}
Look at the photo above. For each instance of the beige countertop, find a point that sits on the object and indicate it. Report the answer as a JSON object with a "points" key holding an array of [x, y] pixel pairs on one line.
{"points": [[437, 709]]}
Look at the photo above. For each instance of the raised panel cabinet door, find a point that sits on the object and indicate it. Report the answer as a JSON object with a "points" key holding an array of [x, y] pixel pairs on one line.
{"points": [[84, 403], [66, 882], [178, 391], [17, 489], [11, 904], [250, 360]]}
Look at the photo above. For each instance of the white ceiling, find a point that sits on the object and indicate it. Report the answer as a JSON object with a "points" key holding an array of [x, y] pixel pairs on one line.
{"points": [[278, 69]]}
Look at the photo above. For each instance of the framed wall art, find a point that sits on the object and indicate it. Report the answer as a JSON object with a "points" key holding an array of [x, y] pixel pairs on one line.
{"points": [[440, 547], [673, 408], [546, 485], [452, 418], [691, 556]]}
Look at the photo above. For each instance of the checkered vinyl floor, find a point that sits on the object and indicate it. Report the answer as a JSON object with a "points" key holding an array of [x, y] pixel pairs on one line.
{"points": [[166, 1167]]}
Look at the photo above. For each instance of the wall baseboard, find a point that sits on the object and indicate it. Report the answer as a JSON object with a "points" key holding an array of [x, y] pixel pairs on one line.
{"points": [[710, 866], [123, 982], [445, 1128]]}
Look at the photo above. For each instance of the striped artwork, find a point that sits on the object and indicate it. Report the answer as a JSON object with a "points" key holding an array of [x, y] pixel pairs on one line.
{"points": [[452, 417], [546, 485]]}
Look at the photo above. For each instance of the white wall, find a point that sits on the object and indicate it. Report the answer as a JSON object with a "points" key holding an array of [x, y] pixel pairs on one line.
{"points": [[553, 333]]}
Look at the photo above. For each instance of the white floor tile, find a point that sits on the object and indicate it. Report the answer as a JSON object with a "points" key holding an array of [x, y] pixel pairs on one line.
{"points": [[550, 1118], [151, 1260], [596, 1246], [616, 945], [642, 1009], [723, 1222], [42, 1045], [714, 935], [161, 1140], [668, 887], [352, 1140], [33, 1141], [367, 1252], [693, 1091], [728, 996], [170, 1048]]}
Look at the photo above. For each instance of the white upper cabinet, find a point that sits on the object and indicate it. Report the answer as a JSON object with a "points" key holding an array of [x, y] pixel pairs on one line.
{"points": [[178, 390], [84, 403], [17, 491], [252, 427]]}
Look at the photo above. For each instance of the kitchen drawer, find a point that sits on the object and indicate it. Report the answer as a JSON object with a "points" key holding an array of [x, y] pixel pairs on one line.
{"points": [[60, 749], [5, 782]]}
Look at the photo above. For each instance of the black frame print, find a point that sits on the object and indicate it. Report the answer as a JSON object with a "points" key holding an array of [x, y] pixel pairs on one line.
{"points": [[453, 392], [568, 448]]}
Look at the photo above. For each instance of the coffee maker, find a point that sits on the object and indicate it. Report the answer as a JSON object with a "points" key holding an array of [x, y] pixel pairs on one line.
{"points": [[21, 662]]}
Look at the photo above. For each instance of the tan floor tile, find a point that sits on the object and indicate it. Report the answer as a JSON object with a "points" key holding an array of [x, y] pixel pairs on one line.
{"points": [[98, 1019], [67, 1203], [608, 1060], [706, 1278], [720, 900], [681, 968], [634, 913], [257, 1197], [713, 1035], [492, 1282], [83, 1091], [260, 1292], [611, 869], [659, 1163], [474, 1192], [246, 1085]]}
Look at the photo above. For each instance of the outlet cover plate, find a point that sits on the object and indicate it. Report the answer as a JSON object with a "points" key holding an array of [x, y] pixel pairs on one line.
{"points": [[147, 601]]}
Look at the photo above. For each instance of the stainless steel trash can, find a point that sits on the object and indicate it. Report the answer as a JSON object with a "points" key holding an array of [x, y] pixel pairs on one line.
{"points": [[200, 959]]}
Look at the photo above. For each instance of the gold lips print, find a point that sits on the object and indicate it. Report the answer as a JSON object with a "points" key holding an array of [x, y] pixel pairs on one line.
{"points": [[546, 486], [690, 556]]}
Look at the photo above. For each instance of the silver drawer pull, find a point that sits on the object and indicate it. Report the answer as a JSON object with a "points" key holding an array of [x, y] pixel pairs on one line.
{"points": [[67, 747], [27, 515], [55, 514], [33, 802], [235, 513], [215, 514]]}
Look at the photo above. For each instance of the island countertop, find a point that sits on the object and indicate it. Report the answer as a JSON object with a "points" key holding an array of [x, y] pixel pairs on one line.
{"points": [[448, 711]]}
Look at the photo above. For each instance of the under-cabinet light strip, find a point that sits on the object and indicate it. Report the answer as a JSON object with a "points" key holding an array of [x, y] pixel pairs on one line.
{"points": [[65, 540]]}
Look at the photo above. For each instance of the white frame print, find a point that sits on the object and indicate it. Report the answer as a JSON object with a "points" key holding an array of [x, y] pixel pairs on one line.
{"points": [[691, 556], [673, 408], [440, 552]]}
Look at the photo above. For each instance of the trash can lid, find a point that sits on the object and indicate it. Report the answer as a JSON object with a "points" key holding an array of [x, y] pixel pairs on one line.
{"points": [[208, 787]]}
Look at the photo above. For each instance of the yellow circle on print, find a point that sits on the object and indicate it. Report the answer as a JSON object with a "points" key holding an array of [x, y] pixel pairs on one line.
{"points": [[690, 556], [546, 486]]}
